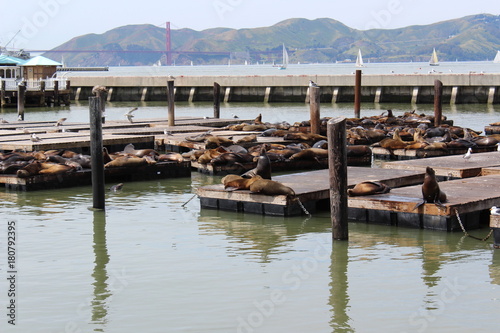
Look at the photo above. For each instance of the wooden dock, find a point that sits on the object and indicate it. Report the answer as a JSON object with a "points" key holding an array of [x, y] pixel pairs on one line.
{"points": [[159, 170], [406, 154], [311, 187], [450, 166]]}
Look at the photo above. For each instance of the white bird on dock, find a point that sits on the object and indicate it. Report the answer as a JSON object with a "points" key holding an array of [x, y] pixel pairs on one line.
{"points": [[60, 122], [20, 118], [35, 138], [3, 121], [468, 154], [312, 83], [495, 210], [498, 146], [129, 115], [26, 131], [234, 116], [167, 133]]}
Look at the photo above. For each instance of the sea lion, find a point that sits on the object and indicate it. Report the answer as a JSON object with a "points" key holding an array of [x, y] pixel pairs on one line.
{"points": [[310, 154], [271, 187], [241, 183], [263, 168], [228, 178], [105, 155], [358, 150], [126, 161], [199, 138], [216, 141], [171, 156], [304, 137], [431, 192], [247, 139], [116, 187], [54, 169], [368, 188], [29, 170], [130, 149], [254, 127], [231, 158]]}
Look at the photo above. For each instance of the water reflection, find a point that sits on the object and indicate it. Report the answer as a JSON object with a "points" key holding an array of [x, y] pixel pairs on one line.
{"points": [[100, 274], [339, 296]]}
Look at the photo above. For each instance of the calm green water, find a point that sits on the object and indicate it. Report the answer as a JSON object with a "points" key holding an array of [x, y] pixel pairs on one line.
{"points": [[148, 264]]}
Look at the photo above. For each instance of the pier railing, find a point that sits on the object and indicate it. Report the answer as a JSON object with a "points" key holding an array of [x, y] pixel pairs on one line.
{"points": [[35, 85]]}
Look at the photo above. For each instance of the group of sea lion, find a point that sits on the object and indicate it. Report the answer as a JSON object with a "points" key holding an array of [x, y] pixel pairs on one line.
{"points": [[27, 164]]}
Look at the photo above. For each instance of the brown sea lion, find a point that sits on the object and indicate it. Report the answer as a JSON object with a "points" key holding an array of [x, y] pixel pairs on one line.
{"points": [[358, 150], [271, 187], [171, 156], [216, 141], [263, 168], [393, 143], [431, 192], [199, 138], [241, 183], [126, 161], [54, 169], [130, 149], [231, 158], [246, 139], [368, 188], [105, 155], [229, 178], [310, 154], [304, 136], [29, 170]]}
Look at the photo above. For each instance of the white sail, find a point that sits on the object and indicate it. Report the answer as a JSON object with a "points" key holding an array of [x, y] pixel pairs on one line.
{"points": [[434, 59], [497, 58], [359, 60], [284, 65]]}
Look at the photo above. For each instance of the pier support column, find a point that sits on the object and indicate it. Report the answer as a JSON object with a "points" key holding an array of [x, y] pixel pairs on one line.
{"points": [[454, 94], [414, 95], [21, 92], [110, 94], [378, 95], [335, 94], [2, 93], [216, 100], [491, 95], [495, 226], [191, 94], [227, 94], [56, 93], [42, 102], [337, 173], [438, 99], [267, 94], [357, 94], [171, 104], [144, 93], [314, 106]]}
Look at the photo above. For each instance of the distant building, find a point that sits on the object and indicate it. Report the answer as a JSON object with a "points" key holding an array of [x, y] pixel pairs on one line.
{"points": [[39, 68], [10, 67]]}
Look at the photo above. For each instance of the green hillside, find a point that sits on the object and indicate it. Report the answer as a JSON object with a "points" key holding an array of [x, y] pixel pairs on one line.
{"points": [[475, 37]]}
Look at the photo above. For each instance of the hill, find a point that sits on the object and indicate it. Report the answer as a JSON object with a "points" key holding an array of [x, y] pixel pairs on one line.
{"points": [[475, 37]]}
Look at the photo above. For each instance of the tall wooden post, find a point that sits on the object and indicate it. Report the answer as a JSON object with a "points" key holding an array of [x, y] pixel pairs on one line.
{"points": [[337, 166], [438, 99], [56, 93], [357, 94], [171, 104], [21, 97], [314, 105], [2, 93], [42, 101], [216, 100], [101, 92], [97, 160]]}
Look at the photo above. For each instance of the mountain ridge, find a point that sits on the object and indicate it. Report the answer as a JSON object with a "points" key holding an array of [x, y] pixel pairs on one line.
{"points": [[470, 38]]}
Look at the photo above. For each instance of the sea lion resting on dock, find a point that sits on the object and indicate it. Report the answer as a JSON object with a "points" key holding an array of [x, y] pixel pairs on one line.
{"points": [[431, 192], [239, 183], [128, 161], [368, 188], [271, 187], [263, 167]]}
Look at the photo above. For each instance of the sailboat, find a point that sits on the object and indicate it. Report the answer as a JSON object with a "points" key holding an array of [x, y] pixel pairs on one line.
{"points": [[434, 59], [284, 65], [359, 60], [497, 58]]}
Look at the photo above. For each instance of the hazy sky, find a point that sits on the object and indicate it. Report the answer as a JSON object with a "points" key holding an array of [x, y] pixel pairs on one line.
{"points": [[45, 24]]}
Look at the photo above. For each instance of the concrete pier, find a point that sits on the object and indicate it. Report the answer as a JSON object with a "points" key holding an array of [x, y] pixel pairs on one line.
{"points": [[384, 88]]}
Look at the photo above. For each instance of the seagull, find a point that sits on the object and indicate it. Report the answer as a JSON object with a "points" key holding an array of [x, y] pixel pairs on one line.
{"points": [[495, 210], [3, 121], [20, 118], [170, 78], [312, 83], [27, 131], [129, 114], [468, 154], [167, 133], [234, 116], [35, 138], [60, 122], [498, 146]]}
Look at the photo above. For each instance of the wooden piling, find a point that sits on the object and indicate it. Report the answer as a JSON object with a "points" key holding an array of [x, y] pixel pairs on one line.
{"points": [[495, 227], [357, 94], [101, 92], [56, 93], [337, 166], [314, 106], [216, 100], [171, 105], [2, 93], [42, 101], [21, 94], [97, 160], [438, 98]]}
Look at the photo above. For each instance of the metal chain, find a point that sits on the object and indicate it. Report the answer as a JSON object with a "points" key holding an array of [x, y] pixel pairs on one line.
{"points": [[466, 233], [302, 206]]}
